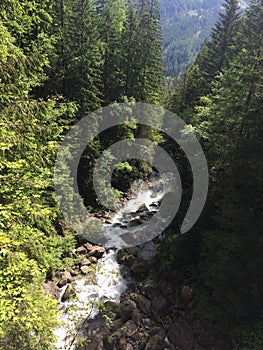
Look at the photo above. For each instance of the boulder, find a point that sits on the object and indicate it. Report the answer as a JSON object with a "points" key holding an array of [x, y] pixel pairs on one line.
{"points": [[155, 343], [64, 278], [160, 306], [140, 339], [88, 246], [116, 324], [187, 293], [123, 257], [127, 307], [93, 259], [149, 289], [85, 262], [85, 269], [113, 340], [124, 345], [52, 289], [81, 250], [62, 283], [142, 209], [157, 331], [112, 307], [137, 317], [70, 292], [74, 271], [140, 268], [95, 342], [180, 334], [143, 304], [136, 222], [129, 329], [96, 251]]}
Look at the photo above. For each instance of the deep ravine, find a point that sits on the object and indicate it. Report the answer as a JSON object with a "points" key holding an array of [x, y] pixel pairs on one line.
{"points": [[108, 284]]}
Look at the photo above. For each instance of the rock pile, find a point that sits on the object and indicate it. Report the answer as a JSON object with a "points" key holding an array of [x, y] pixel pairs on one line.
{"points": [[86, 257]]}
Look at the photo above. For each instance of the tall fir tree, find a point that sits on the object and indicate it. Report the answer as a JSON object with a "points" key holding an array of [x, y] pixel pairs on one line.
{"points": [[232, 124]]}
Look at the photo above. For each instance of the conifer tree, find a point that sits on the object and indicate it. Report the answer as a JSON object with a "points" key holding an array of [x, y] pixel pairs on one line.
{"points": [[147, 53], [29, 129], [233, 127], [111, 19]]}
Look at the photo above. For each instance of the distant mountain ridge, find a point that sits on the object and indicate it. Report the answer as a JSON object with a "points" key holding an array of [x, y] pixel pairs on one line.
{"points": [[186, 24]]}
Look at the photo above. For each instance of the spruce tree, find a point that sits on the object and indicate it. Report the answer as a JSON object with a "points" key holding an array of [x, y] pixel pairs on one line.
{"points": [[111, 19], [147, 51], [233, 126]]}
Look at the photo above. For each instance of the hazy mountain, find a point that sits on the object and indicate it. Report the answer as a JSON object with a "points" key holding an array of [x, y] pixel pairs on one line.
{"points": [[186, 24]]}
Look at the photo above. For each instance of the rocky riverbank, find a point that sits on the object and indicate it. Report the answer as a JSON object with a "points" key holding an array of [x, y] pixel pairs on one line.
{"points": [[146, 317], [135, 309]]}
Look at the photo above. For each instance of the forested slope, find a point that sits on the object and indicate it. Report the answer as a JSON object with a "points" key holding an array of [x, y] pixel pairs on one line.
{"points": [[186, 24], [59, 60], [221, 96]]}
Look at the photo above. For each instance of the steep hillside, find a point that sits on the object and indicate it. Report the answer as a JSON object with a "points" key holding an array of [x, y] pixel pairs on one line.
{"points": [[186, 24]]}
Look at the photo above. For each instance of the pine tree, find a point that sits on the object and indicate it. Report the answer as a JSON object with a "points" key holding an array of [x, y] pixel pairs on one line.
{"points": [[233, 127], [146, 76], [111, 19], [76, 64]]}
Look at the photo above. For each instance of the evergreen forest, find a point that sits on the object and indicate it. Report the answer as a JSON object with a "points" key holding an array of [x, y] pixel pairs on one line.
{"points": [[60, 61]]}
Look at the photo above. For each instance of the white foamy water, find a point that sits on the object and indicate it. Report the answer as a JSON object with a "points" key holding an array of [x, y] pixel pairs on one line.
{"points": [[109, 282], [109, 286]]}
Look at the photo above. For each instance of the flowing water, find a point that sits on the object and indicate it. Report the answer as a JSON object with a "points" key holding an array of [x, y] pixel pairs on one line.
{"points": [[109, 283], [109, 286]]}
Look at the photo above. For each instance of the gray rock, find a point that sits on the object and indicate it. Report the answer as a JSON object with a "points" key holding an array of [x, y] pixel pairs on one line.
{"points": [[142, 303], [129, 329], [126, 309]]}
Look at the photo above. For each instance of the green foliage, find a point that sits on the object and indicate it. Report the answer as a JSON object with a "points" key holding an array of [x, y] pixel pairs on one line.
{"points": [[27, 317], [213, 57], [250, 338], [30, 132], [186, 26], [224, 105]]}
